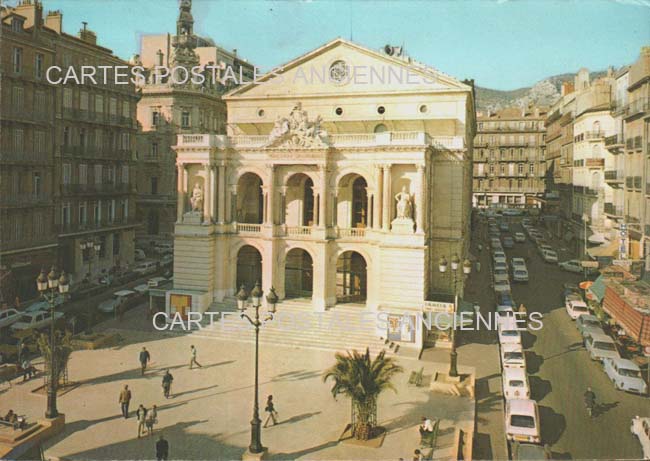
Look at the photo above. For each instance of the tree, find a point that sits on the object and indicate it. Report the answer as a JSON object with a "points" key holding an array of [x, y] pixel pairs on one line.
{"points": [[362, 379]]}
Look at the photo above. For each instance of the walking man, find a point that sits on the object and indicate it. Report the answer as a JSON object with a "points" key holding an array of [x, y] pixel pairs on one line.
{"points": [[144, 359], [142, 419], [162, 449], [167, 383], [270, 409], [152, 418], [125, 400], [193, 357]]}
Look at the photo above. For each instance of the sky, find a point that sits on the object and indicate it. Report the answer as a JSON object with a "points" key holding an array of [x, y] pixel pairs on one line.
{"points": [[501, 44]]}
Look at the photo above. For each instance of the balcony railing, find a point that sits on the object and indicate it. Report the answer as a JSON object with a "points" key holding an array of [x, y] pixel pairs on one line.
{"points": [[594, 135], [388, 138], [293, 231], [614, 140], [638, 181], [247, 228], [118, 188], [638, 142], [93, 225], [614, 176], [351, 232], [637, 107], [613, 210], [25, 200]]}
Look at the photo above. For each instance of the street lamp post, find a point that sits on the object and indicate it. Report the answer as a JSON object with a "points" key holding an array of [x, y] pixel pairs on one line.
{"points": [[91, 246], [256, 301], [50, 286], [467, 268], [585, 219]]}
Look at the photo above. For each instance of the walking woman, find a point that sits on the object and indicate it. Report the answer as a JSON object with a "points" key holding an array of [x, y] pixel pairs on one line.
{"points": [[270, 409]]}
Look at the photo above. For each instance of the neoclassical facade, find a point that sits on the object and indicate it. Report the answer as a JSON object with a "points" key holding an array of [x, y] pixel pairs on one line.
{"points": [[340, 191]]}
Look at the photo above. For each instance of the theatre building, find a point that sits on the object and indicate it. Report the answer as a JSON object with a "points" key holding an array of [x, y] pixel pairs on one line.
{"points": [[331, 186]]}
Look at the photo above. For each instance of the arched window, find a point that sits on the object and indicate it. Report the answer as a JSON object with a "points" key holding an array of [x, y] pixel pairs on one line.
{"points": [[380, 128]]}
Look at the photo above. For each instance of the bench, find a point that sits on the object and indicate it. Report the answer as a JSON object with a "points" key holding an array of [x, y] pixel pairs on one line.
{"points": [[429, 439], [416, 377]]}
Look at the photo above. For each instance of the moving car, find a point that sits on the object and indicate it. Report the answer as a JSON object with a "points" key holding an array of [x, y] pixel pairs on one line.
{"points": [[146, 267], [520, 237], [119, 298], [520, 274], [513, 356], [601, 347], [515, 383], [8, 317], [508, 242], [641, 428], [549, 256], [576, 308], [586, 323], [522, 421], [35, 320], [575, 265], [626, 375]]}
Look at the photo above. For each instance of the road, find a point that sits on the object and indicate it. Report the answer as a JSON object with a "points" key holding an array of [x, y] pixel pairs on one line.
{"points": [[560, 370]]}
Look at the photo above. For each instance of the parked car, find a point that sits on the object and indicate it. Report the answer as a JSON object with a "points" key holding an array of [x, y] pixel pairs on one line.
{"points": [[508, 242], [515, 383], [141, 289], [576, 308], [512, 212], [504, 300], [601, 347], [35, 320], [500, 274], [626, 375], [495, 242], [504, 227], [502, 286], [140, 254], [43, 305], [587, 322], [520, 274], [517, 262], [575, 265], [530, 452], [498, 256], [512, 356], [146, 267], [119, 298], [549, 256], [156, 282], [569, 288], [522, 421], [641, 428], [8, 317], [520, 237], [164, 248], [508, 332]]}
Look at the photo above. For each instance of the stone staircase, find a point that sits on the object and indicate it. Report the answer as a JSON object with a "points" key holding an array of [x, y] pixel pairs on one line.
{"points": [[296, 325]]}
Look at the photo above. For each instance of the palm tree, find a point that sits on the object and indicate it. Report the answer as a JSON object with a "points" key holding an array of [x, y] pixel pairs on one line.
{"points": [[362, 379]]}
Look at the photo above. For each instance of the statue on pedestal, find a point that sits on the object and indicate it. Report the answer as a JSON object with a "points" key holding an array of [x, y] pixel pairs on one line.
{"points": [[403, 204], [197, 198]]}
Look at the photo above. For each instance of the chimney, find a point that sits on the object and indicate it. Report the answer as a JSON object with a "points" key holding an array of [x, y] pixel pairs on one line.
{"points": [[87, 35], [32, 11], [234, 52], [54, 21], [159, 58], [567, 88]]}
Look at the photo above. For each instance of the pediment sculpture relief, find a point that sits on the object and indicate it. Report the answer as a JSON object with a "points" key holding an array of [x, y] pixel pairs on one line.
{"points": [[297, 131]]}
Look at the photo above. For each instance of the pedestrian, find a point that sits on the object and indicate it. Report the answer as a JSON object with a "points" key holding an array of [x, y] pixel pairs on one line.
{"points": [[478, 266], [426, 427], [193, 357], [152, 418], [417, 455], [270, 409], [145, 357], [141, 413], [162, 449], [125, 400], [167, 383], [27, 370]]}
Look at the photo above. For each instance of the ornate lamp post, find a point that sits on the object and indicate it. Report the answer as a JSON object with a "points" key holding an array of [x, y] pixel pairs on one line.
{"points": [[91, 246], [256, 301], [50, 286], [467, 268]]}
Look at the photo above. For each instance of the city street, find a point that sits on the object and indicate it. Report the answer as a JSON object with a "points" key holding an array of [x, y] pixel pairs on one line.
{"points": [[560, 370]]}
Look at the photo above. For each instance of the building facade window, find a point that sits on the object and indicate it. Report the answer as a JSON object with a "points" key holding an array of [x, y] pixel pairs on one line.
{"points": [[116, 244], [37, 185], [154, 185], [83, 218], [185, 119], [154, 149], [39, 62], [83, 173], [67, 98], [98, 174], [155, 118], [67, 173], [17, 60]]}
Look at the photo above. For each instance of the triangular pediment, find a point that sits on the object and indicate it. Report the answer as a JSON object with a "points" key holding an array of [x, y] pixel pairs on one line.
{"points": [[341, 67]]}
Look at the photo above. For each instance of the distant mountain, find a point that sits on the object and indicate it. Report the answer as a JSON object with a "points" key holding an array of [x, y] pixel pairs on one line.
{"points": [[543, 93]]}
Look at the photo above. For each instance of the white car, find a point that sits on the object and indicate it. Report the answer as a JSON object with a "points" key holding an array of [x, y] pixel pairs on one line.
{"points": [[513, 356], [520, 237], [515, 383], [575, 265], [508, 331], [8, 317], [626, 375], [522, 421], [500, 274], [601, 347], [35, 320], [641, 428], [501, 286], [146, 267], [549, 256], [499, 257], [119, 297], [575, 308], [520, 274], [156, 282], [518, 262]]}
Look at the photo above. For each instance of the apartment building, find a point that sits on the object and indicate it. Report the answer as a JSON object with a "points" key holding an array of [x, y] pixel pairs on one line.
{"points": [[509, 158], [73, 152], [169, 108]]}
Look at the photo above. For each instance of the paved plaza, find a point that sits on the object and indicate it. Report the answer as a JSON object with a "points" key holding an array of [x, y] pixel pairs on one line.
{"points": [[209, 414]]}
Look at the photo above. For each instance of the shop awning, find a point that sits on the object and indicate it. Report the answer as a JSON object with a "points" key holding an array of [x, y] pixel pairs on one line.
{"points": [[609, 249], [597, 290]]}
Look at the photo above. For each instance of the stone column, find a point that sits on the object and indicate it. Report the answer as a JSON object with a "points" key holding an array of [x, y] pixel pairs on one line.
{"points": [[222, 194], [335, 206], [369, 206], [376, 214], [213, 193], [233, 203], [322, 201], [419, 206], [206, 193], [180, 192], [283, 205], [315, 206], [269, 213], [387, 202]]}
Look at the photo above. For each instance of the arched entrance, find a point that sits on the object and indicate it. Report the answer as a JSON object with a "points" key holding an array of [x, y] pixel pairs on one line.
{"points": [[249, 267], [351, 278], [299, 201], [250, 199], [298, 274]]}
